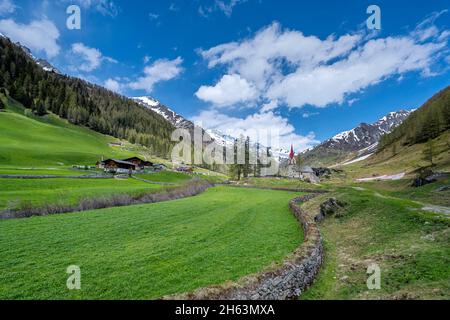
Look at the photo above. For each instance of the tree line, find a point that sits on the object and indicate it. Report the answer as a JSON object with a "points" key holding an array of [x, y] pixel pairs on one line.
{"points": [[80, 102], [426, 123]]}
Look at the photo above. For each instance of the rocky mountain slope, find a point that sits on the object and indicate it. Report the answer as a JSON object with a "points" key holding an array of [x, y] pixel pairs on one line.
{"points": [[174, 118], [44, 64], [356, 144]]}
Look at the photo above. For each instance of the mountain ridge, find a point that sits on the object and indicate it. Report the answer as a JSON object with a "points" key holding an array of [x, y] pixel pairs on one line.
{"points": [[355, 144]]}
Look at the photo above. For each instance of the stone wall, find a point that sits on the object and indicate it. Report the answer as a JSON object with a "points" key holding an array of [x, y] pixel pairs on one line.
{"points": [[287, 281]]}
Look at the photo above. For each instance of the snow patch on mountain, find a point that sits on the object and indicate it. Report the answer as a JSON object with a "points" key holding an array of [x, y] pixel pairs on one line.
{"points": [[356, 144], [44, 64], [174, 118], [366, 135]]}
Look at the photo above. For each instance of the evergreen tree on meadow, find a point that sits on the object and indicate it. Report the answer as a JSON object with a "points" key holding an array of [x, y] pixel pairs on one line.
{"points": [[430, 151]]}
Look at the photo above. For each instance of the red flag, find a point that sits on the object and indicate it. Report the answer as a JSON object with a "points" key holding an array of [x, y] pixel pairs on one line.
{"points": [[292, 154]]}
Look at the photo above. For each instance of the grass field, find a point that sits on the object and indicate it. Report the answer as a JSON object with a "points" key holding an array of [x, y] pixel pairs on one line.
{"points": [[147, 251], [166, 176], [38, 192], [403, 189], [45, 142], [411, 247], [43, 172], [282, 183], [406, 159]]}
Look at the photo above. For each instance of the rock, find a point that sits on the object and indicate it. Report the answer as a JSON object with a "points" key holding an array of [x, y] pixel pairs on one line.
{"points": [[344, 278], [420, 182], [443, 188], [428, 237], [427, 176], [320, 172], [331, 207]]}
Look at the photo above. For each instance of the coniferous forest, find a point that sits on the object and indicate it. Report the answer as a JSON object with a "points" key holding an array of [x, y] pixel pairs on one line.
{"points": [[424, 124], [80, 102]]}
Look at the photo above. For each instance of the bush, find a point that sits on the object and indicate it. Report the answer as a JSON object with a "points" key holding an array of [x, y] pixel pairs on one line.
{"points": [[28, 113]]}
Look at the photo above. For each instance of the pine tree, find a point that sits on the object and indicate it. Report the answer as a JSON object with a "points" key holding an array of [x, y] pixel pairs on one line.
{"points": [[430, 151]]}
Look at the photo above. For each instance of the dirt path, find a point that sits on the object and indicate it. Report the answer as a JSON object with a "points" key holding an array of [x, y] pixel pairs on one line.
{"points": [[384, 177], [424, 206]]}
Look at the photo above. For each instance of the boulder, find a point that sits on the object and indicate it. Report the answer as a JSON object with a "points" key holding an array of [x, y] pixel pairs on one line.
{"points": [[331, 207], [427, 176], [443, 188]]}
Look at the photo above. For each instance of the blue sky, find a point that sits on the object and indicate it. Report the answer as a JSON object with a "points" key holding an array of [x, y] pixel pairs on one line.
{"points": [[309, 69]]}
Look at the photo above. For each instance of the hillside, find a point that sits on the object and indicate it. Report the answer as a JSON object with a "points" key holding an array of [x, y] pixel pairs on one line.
{"points": [[407, 148], [427, 122], [354, 144], [49, 141], [81, 103]]}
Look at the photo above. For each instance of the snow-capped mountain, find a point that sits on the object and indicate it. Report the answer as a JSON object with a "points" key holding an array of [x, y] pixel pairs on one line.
{"points": [[174, 118], [179, 121], [228, 141], [44, 64], [355, 144], [366, 135], [221, 138]]}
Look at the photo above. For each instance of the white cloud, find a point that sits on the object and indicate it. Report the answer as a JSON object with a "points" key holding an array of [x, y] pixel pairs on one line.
{"points": [[257, 126], [307, 115], [293, 69], [89, 58], [160, 70], [174, 7], [271, 105], [146, 59], [230, 90], [153, 16], [113, 85], [374, 62], [105, 7], [39, 35], [7, 7], [225, 6]]}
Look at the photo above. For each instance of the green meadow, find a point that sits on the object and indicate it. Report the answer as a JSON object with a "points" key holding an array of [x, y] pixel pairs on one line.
{"points": [[148, 251], [411, 247], [39, 192], [166, 177], [49, 142]]}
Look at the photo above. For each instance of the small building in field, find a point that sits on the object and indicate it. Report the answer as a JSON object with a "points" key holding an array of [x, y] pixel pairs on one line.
{"points": [[139, 163], [117, 166], [128, 165]]}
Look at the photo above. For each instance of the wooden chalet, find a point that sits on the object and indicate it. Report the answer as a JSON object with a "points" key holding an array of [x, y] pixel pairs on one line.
{"points": [[142, 164], [125, 165], [117, 166]]}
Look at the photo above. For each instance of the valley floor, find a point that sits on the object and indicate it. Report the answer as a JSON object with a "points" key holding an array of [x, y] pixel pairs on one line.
{"points": [[147, 251]]}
